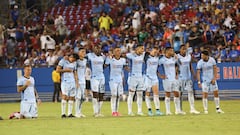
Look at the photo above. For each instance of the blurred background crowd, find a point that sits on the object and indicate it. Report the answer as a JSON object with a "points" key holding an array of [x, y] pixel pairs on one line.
{"points": [[42, 37]]}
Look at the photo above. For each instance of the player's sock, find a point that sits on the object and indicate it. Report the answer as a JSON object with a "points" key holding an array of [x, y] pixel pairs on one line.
{"points": [[95, 105], [191, 100], [118, 100], [167, 104], [177, 104], [113, 103], [129, 101], [70, 107], [77, 107], [63, 106], [156, 101], [148, 102], [100, 103], [217, 102], [139, 101], [205, 104]]}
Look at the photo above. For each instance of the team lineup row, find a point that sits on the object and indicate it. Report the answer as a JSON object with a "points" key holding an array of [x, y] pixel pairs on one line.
{"points": [[176, 77]]}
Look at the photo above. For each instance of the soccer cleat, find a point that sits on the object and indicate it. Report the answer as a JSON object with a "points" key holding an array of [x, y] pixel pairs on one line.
{"points": [[1, 118], [12, 115], [219, 111], [114, 114], [95, 115], [131, 114], [80, 116], [206, 112], [168, 113], [150, 113], [63, 116], [71, 116], [194, 112], [159, 113], [119, 114], [140, 114], [180, 113]]}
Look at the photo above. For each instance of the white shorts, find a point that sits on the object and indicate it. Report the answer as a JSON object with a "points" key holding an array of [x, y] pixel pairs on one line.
{"points": [[136, 83], [185, 85], [68, 89], [149, 83], [116, 88], [170, 86], [80, 92], [28, 109], [98, 85], [207, 87]]}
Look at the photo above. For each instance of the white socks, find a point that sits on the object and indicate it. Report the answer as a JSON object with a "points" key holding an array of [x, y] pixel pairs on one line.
{"points": [[78, 106], [148, 102], [70, 107], [99, 106], [205, 104], [63, 106], [114, 104], [95, 105], [130, 101], [217, 102], [139, 101], [167, 105], [156, 101], [177, 104], [191, 100]]}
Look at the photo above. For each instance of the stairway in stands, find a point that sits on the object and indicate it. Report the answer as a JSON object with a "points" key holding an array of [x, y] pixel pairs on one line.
{"points": [[74, 16]]}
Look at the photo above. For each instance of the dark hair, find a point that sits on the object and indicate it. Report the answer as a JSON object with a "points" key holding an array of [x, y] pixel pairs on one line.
{"points": [[26, 65], [81, 48], [205, 52], [182, 46], [168, 48]]}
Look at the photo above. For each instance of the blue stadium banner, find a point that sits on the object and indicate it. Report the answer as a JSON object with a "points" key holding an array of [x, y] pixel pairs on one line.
{"points": [[228, 78]]}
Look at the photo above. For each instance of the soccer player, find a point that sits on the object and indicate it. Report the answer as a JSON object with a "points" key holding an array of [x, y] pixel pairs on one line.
{"points": [[151, 80], [69, 82], [116, 78], [96, 60], [29, 95], [135, 79], [207, 65], [81, 70], [185, 73], [170, 82]]}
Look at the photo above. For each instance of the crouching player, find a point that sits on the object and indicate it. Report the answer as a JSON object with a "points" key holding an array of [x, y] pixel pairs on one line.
{"points": [[29, 96]]}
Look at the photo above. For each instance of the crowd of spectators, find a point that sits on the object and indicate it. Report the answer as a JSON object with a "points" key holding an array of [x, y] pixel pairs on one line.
{"points": [[200, 24]]}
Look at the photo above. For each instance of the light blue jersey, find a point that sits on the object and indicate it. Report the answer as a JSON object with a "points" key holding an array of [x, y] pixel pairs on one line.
{"points": [[116, 68], [96, 65], [136, 64], [81, 70], [68, 76], [207, 69], [151, 67], [28, 94], [169, 67], [184, 67]]}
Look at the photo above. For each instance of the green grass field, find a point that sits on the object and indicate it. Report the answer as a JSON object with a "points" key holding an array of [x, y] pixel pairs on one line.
{"points": [[50, 123]]}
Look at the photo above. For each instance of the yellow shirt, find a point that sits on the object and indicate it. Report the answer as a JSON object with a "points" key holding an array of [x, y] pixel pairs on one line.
{"points": [[56, 76], [105, 22]]}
